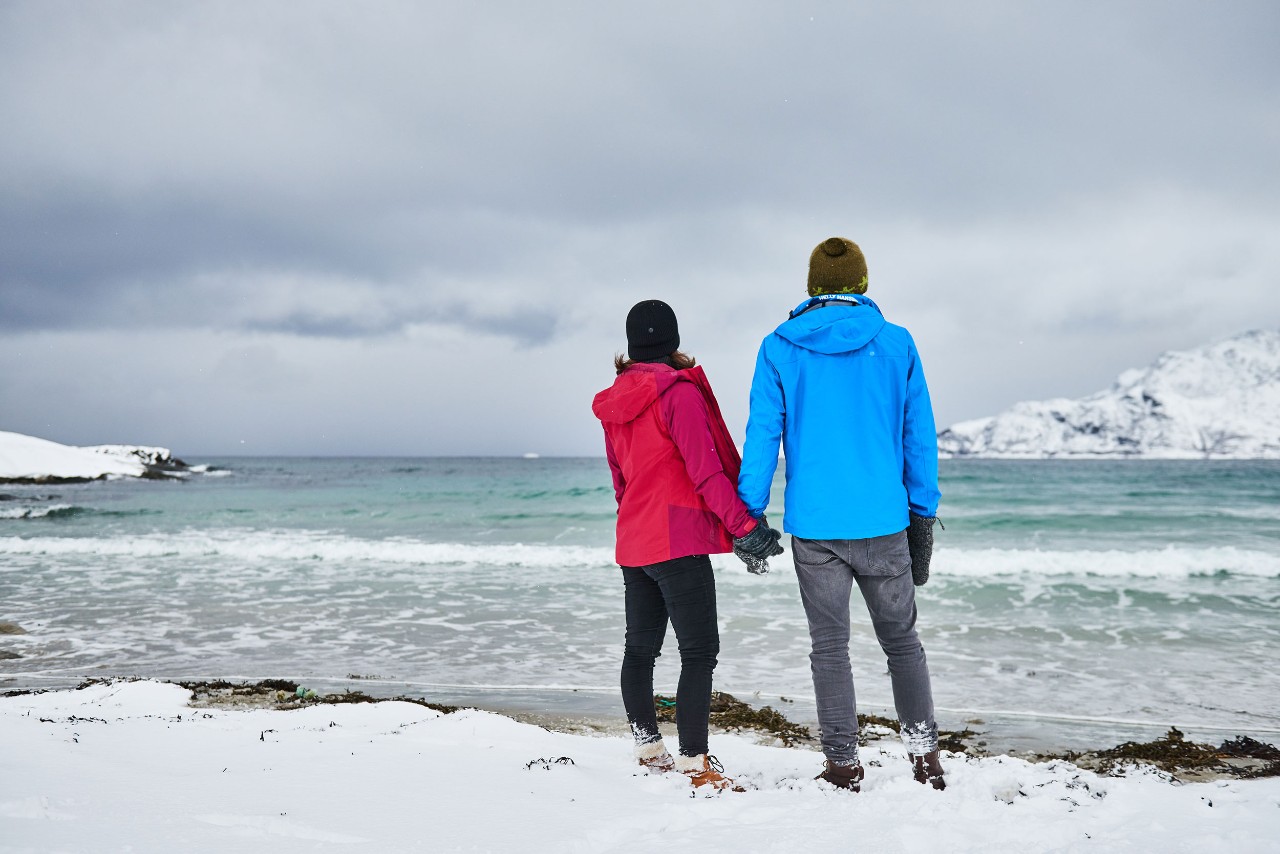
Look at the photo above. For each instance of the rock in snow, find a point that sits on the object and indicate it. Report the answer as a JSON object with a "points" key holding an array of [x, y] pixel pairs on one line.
{"points": [[1219, 401], [28, 459]]}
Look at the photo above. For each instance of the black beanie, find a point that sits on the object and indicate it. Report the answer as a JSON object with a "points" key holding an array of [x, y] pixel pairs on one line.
{"points": [[651, 331]]}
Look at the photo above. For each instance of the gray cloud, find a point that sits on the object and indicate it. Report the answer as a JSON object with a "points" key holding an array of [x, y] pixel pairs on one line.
{"points": [[409, 178]]}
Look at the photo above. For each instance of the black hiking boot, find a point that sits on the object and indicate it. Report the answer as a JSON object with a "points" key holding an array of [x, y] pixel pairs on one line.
{"points": [[928, 769], [843, 776]]}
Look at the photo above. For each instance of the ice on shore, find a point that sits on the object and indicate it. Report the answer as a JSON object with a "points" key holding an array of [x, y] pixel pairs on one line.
{"points": [[131, 766], [27, 458]]}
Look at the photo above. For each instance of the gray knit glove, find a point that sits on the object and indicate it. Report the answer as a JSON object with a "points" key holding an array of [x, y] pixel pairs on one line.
{"points": [[757, 546], [920, 543]]}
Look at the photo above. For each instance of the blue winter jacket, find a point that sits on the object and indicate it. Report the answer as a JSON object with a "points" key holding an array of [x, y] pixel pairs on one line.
{"points": [[844, 392]]}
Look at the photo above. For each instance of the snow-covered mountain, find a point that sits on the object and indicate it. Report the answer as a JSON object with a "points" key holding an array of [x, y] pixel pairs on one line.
{"points": [[26, 459], [1219, 401]]}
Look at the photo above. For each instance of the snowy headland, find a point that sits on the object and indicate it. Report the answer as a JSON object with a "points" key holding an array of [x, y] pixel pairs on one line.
{"points": [[133, 766], [26, 459], [1221, 401]]}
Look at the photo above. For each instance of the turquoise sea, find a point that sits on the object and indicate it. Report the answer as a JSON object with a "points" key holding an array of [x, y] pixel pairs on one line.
{"points": [[1071, 604]]}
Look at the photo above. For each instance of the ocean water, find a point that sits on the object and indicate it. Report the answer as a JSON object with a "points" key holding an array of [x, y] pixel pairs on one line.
{"points": [[1071, 604]]}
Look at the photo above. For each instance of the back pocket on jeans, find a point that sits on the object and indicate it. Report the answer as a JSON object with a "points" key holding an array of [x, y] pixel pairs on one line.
{"points": [[888, 555], [807, 552]]}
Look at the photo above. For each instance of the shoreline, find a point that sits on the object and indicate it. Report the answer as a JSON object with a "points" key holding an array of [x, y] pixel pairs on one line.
{"points": [[1166, 748]]}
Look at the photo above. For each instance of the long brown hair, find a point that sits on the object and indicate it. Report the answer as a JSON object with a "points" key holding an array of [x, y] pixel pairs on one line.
{"points": [[677, 360]]}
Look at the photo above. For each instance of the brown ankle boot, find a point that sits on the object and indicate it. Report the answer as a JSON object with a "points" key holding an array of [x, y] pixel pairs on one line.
{"points": [[928, 769], [844, 776], [654, 757], [704, 770]]}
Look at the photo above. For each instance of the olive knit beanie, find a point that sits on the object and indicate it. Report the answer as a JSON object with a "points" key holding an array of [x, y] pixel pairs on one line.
{"points": [[652, 331], [836, 266]]}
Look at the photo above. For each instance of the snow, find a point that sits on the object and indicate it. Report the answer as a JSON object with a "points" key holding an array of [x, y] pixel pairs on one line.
{"points": [[130, 766], [1219, 401], [28, 458]]}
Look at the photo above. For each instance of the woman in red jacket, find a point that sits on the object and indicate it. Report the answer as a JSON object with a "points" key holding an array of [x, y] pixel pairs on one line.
{"points": [[675, 470]]}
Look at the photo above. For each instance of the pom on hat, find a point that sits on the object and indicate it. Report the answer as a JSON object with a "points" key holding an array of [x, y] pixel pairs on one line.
{"points": [[836, 266]]}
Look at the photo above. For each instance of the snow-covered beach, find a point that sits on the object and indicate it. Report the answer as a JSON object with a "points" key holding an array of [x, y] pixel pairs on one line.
{"points": [[131, 766]]}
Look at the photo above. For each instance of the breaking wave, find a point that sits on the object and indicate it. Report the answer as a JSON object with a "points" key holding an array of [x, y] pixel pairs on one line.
{"points": [[283, 545], [68, 511], [266, 546], [1168, 562], [52, 511]]}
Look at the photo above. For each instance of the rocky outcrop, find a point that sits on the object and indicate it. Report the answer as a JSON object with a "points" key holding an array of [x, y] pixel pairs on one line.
{"points": [[1221, 401], [27, 459]]}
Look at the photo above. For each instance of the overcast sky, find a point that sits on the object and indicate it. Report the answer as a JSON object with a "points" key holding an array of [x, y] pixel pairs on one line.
{"points": [[416, 227]]}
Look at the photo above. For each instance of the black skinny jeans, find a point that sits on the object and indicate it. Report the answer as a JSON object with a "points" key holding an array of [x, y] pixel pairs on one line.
{"points": [[684, 591]]}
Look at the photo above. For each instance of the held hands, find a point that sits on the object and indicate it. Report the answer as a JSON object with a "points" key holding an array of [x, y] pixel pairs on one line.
{"points": [[920, 543], [757, 546]]}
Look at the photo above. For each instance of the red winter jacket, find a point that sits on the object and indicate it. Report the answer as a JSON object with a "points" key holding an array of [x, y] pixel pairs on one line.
{"points": [[674, 464]]}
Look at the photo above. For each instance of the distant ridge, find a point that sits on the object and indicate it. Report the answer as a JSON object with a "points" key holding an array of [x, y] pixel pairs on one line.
{"points": [[28, 459], [1220, 401]]}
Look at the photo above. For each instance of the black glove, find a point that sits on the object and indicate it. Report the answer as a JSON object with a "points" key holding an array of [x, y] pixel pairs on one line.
{"points": [[755, 549], [920, 543]]}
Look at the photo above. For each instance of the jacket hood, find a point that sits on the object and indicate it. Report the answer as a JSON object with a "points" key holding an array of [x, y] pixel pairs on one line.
{"points": [[635, 390], [841, 327]]}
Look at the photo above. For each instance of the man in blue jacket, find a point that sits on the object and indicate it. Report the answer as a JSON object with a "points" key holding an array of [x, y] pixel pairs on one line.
{"points": [[844, 393]]}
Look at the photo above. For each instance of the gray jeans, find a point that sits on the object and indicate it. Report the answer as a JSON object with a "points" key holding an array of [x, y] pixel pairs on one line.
{"points": [[826, 570]]}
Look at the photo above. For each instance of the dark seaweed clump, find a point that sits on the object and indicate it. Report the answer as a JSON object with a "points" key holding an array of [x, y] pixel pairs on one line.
{"points": [[250, 689], [1171, 753], [361, 697], [1244, 746], [951, 740], [283, 694], [730, 713], [1241, 757]]}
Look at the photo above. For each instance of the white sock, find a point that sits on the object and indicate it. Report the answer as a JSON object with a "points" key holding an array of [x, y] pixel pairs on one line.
{"points": [[651, 750], [691, 763]]}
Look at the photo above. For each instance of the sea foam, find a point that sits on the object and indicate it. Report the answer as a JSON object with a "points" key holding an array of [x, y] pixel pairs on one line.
{"points": [[37, 512], [283, 545], [1167, 562], [266, 546]]}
